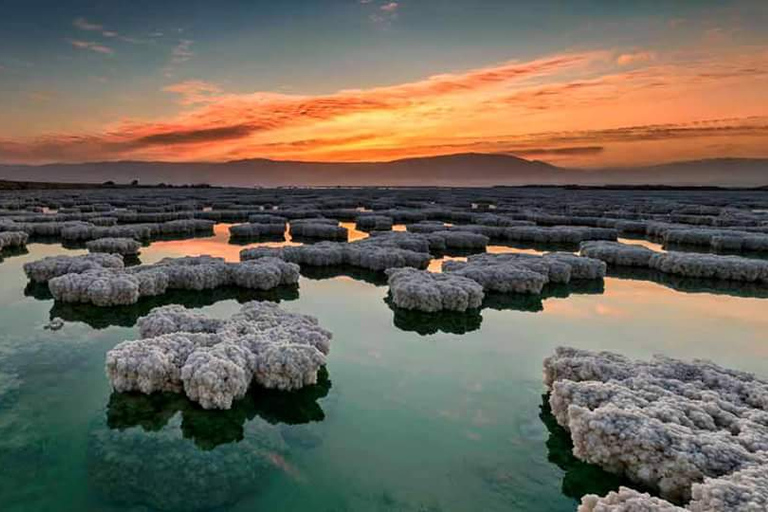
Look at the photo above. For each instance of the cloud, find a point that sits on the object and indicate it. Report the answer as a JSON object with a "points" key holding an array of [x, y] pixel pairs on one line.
{"points": [[84, 24], [92, 46], [182, 51], [628, 59], [196, 136], [575, 150], [389, 7], [193, 91]]}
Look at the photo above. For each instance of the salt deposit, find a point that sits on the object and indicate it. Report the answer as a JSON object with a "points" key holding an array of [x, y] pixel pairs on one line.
{"points": [[665, 424], [215, 362], [124, 246], [13, 239], [615, 253], [430, 292], [41, 271]]}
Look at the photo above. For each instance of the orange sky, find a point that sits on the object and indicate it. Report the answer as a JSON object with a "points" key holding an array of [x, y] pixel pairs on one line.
{"points": [[588, 108]]}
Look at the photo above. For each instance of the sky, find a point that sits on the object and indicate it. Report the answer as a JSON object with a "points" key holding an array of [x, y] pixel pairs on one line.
{"points": [[576, 83]]}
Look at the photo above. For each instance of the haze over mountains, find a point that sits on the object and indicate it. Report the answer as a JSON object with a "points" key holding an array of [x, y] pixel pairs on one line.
{"points": [[466, 169]]}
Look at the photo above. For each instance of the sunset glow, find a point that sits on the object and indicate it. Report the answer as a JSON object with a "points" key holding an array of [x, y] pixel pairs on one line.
{"points": [[683, 86]]}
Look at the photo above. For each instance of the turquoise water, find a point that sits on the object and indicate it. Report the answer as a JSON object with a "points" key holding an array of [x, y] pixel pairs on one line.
{"points": [[403, 421]]}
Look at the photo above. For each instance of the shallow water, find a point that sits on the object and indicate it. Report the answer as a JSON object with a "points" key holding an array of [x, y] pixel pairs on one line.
{"points": [[405, 421]]}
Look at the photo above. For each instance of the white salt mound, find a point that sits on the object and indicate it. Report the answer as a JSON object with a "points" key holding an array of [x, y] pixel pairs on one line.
{"points": [[124, 246], [215, 361], [711, 266], [13, 239], [689, 430], [431, 292], [615, 253], [101, 280], [41, 271]]}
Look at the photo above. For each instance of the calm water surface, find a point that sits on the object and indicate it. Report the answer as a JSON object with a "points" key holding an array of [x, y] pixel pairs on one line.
{"points": [[404, 420]]}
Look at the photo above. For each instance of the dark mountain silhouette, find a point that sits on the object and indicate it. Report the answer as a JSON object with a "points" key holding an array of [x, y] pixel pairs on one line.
{"points": [[467, 169]]}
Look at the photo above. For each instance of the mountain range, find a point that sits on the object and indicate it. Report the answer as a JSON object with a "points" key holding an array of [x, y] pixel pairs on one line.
{"points": [[465, 169]]}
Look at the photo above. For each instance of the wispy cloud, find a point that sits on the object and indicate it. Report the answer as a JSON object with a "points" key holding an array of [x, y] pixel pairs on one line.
{"points": [[89, 26], [84, 24], [182, 52], [390, 7], [194, 91], [627, 59], [92, 46], [385, 13]]}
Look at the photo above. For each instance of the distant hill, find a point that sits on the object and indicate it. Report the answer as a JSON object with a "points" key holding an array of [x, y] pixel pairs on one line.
{"points": [[467, 169]]}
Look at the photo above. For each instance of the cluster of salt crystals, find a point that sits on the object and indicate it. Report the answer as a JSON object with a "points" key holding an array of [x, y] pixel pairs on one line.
{"points": [[685, 264], [257, 229], [13, 239], [372, 222], [615, 253], [718, 239], [327, 229], [42, 271], [558, 234], [265, 218], [215, 361], [690, 430], [375, 253], [102, 280], [430, 292], [84, 231], [525, 273], [711, 266], [124, 246], [743, 491]]}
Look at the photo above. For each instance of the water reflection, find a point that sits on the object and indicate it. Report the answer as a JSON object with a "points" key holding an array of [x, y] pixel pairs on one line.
{"points": [[126, 316], [423, 323], [357, 273], [690, 284], [211, 428], [453, 322], [10, 252], [163, 471], [580, 478]]}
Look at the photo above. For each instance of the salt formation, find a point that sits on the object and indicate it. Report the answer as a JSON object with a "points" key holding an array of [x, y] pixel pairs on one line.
{"points": [[718, 239], [41, 271], [690, 430], [410, 241], [377, 257], [374, 222], [456, 239], [13, 239], [101, 280], [264, 218], [55, 324], [497, 276], [376, 253], [558, 234], [685, 264], [124, 246], [255, 230], [319, 254], [615, 253], [743, 491], [734, 268], [318, 228], [431, 292], [525, 273], [215, 362]]}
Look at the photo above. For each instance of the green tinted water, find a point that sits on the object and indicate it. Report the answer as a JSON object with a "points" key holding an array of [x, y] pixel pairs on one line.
{"points": [[403, 421]]}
